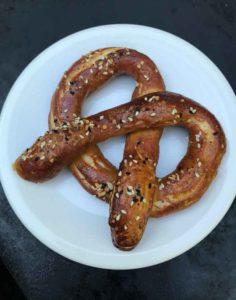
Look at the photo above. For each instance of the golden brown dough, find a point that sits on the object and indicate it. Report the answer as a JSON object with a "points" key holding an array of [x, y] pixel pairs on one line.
{"points": [[59, 147]]}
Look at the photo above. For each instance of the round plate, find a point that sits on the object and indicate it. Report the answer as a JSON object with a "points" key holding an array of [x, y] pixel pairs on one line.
{"points": [[64, 216]]}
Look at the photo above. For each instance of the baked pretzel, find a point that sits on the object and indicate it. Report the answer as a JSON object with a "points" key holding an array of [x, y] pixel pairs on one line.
{"points": [[59, 147], [95, 173]]}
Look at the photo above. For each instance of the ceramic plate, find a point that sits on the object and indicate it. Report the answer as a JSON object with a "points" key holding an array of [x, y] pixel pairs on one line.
{"points": [[64, 216]]}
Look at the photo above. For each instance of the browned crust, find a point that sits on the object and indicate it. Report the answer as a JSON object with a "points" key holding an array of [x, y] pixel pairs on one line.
{"points": [[193, 175], [95, 173]]}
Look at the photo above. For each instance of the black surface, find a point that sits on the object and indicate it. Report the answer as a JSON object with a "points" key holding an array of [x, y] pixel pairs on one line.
{"points": [[8, 288], [208, 271]]}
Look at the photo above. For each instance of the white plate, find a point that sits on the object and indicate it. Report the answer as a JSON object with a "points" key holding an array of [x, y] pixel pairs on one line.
{"points": [[59, 212]]}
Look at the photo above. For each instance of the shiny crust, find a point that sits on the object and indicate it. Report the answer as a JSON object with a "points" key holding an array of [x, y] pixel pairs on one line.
{"points": [[193, 175], [95, 173]]}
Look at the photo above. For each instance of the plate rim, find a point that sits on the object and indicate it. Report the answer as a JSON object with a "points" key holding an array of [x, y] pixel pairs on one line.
{"points": [[90, 258]]}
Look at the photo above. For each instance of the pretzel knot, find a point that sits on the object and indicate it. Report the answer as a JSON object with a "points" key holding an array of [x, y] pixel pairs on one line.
{"points": [[133, 191]]}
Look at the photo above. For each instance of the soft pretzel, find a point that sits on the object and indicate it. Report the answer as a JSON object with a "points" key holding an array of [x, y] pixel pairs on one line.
{"points": [[59, 147], [95, 173]]}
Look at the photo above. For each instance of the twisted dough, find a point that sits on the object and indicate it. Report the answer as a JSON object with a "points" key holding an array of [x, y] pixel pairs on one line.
{"points": [[59, 147], [95, 173]]}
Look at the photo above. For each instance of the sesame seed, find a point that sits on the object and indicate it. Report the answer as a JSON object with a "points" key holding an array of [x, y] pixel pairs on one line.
{"points": [[192, 110], [142, 62], [123, 211], [125, 227], [118, 126], [130, 164], [174, 111], [151, 99], [153, 114], [135, 161], [77, 120], [105, 73], [199, 146], [159, 203], [161, 186], [123, 121], [120, 174], [138, 66], [199, 164], [131, 156], [91, 71], [51, 160], [132, 203], [23, 157], [146, 77], [197, 137], [53, 146], [145, 98], [136, 113], [197, 174], [137, 218], [117, 195], [130, 119], [81, 136], [130, 190], [110, 185], [87, 133], [42, 144], [182, 100], [101, 117], [104, 126], [118, 217], [42, 157], [125, 161]]}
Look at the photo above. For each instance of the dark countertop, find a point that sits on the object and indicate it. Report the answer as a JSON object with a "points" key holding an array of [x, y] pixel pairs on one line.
{"points": [[208, 271]]}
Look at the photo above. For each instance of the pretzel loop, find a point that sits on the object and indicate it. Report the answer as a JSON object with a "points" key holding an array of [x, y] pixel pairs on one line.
{"points": [[95, 173]]}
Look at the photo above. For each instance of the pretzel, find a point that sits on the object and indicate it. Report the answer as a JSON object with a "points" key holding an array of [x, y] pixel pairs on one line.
{"points": [[59, 147], [94, 172]]}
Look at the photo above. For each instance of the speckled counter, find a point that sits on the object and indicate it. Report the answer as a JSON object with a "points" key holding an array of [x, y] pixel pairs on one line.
{"points": [[208, 271]]}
